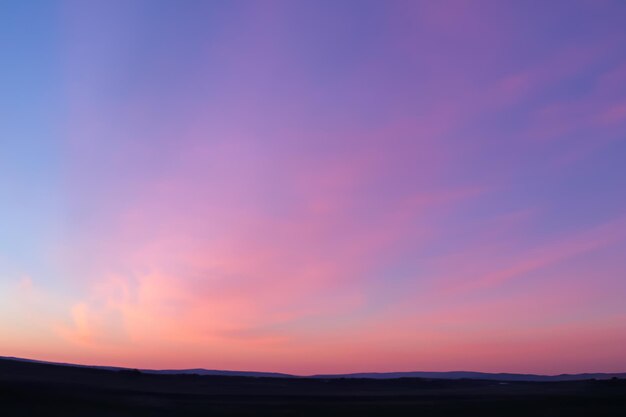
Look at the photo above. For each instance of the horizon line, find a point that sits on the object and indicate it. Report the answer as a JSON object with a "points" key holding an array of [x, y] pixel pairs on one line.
{"points": [[298, 375]]}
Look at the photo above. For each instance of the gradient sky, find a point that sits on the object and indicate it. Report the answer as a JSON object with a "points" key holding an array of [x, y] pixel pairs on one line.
{"points": [[314, 186]]}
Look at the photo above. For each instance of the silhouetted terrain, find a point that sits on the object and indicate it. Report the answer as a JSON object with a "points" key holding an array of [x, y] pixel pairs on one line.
{"points": [[476, 375], [371, 375], [39, 389]]}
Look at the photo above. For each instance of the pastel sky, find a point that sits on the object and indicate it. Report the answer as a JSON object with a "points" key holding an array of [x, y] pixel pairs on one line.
{"points": [[314, 186]]}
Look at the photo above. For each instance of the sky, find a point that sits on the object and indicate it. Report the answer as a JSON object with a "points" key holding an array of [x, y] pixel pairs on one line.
{"points": [[314, 186]]}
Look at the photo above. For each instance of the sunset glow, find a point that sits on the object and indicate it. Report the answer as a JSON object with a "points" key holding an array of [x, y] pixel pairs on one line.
{"points": [[314, 186]]}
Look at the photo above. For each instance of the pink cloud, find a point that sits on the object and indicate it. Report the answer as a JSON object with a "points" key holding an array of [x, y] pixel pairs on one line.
{"points": [[538, 257]]}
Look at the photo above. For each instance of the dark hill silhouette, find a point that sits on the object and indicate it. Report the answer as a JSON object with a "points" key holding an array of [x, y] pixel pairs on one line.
{"points": [[478, 376], [367, 375], [29, 388]]}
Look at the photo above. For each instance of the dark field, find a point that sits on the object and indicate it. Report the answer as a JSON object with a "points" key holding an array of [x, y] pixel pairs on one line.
{"points": [[31, 389]]}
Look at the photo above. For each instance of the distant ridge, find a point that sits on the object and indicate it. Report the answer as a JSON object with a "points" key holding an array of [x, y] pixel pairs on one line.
{"points": [[476, 375], [364, 375], [196, 371]]}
